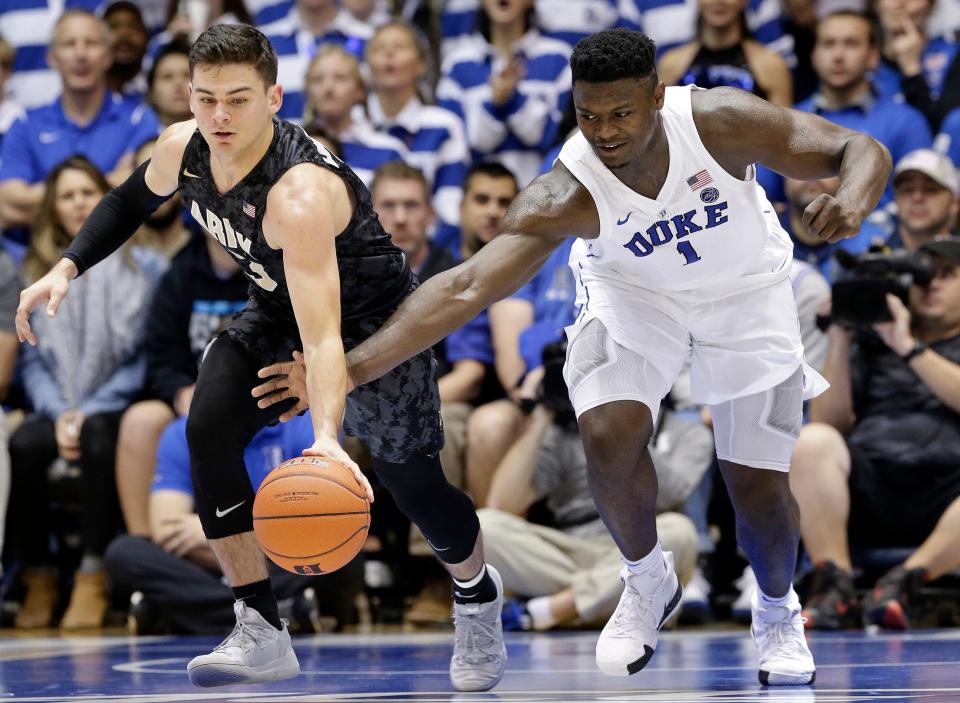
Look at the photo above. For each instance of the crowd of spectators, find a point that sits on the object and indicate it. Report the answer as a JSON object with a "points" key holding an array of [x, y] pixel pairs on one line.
{"points": [[446, 109]]}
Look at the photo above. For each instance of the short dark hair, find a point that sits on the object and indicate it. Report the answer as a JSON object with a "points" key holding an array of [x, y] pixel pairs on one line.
{"points": [[176, 46], [224, 44], [873, 25], [613, 55], [400, 171], [491, 169]]}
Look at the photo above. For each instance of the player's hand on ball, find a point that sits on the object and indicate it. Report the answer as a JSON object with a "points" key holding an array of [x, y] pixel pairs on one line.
{"points": [[52, 289], [830, 219], [288, 379], [331, 449]]}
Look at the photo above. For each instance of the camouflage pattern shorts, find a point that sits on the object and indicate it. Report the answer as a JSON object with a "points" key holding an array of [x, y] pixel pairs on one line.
{"points": [[396, 415]]}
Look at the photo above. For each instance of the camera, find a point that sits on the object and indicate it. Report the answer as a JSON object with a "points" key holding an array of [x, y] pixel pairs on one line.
{"points": [[860, 291]]}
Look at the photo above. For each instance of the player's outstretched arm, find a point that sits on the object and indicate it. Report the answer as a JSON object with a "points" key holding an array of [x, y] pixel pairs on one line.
{"points": [[305, 209], [113, 221], [740, 129], [547, 211]]}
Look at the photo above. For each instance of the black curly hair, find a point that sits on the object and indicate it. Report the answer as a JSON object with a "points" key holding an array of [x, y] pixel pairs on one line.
{"points": [[613, 55]]}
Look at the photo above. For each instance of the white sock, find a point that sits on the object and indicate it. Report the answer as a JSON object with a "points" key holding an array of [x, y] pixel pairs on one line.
{"points": [[540, 615], [781, 602], [650, 565]]}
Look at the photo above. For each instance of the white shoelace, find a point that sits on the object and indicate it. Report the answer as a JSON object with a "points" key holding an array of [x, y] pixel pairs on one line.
{"points": [[786, 639], [635, 609], [472, 637]]}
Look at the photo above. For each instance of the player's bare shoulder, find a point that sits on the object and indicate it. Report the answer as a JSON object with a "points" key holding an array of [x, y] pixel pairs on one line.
{"points": [[554, 206], [163, 174]]}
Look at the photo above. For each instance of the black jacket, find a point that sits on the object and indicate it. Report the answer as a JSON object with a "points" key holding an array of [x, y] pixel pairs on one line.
{"points": [[191, 304]]}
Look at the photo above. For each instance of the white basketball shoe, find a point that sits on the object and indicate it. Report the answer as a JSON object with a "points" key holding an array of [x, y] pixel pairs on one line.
{"points": [[253, 653], [785, 659], [629, 638], [479, 653]]}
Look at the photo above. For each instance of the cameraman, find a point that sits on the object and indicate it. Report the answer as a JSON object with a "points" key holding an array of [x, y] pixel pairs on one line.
{"points": [[570, 569], [880, 463]]}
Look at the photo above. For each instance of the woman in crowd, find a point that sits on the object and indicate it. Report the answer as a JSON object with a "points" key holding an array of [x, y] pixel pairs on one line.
{"points": [[85, 370], [723, 53], [509, 84], [433, 136], [335, 98], [168, 83]]}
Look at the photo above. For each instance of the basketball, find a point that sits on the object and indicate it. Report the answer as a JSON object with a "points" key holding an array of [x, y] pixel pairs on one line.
{"points": [[311, 515]]}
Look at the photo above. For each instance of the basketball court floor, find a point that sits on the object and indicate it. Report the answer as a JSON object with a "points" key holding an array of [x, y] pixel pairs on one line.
{"points": [[689, 667]]}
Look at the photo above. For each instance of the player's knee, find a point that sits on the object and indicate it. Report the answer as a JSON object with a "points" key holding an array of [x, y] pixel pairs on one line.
{"points": [[610, 430]]}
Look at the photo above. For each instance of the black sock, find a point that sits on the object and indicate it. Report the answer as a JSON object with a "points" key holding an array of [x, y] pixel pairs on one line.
{"points": [[259, 596], [479, 589]]}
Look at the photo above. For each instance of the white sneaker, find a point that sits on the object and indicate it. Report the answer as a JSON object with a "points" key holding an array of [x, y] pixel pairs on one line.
{"points": [[629, 638], [785, 659], [695, 601], [742, 608], [254, 652], [479, 653]]}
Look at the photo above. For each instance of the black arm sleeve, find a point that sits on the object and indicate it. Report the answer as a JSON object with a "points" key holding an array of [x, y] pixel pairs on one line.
{"points": [[114, 220]]}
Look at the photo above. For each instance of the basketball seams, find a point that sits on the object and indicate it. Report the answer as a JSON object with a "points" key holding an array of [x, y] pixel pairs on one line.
{"points": [[363, 529], [331, 479], [300, 515]]}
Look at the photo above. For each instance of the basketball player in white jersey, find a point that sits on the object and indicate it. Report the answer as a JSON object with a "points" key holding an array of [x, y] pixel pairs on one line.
{"points": [[680, 257]]}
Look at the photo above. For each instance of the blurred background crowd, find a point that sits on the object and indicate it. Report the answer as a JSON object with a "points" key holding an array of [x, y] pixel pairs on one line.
{"points": [[446, 109]]}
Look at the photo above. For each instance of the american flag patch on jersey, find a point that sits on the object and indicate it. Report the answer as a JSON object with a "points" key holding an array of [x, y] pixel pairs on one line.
{"points": [[249, 210], [699, 180]]}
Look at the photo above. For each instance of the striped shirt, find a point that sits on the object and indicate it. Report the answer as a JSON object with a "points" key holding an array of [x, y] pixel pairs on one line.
{"points": [[566, 20], [28, 26], [437, 146], [517, 132], [671, 23], [296, 46], [364, 148]]}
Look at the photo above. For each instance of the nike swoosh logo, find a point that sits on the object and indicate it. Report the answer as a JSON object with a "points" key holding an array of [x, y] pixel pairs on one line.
{"points": [[437, 549], [221, 513], [190, 175], [48, 137], [624, 220]]}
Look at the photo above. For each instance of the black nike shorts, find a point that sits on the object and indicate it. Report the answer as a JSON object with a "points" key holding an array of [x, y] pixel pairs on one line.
{"points": [[396, 416]]}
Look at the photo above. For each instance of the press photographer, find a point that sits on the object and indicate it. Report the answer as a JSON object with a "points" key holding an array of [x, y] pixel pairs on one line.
{"points": [[879, 465]]}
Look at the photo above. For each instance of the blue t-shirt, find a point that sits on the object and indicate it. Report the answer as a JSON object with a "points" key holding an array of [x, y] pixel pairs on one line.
{"points": [[46, 136], [935, 60], [472, 341], [270, 447], [948, 141]]}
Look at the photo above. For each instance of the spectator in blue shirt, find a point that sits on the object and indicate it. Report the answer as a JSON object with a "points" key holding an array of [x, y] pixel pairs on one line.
{"points": [[809, 247], [87, 119], [28, 25], [336, 96], [176, 571], [924, 70], [297, 37], [509, 84], [948, 141], [433, 136], [846, 50]]}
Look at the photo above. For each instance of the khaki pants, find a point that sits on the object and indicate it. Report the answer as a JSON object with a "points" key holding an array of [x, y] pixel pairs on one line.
{"points": [[539, 561]]}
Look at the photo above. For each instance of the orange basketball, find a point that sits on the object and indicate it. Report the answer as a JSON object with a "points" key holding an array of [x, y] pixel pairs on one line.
{"points": [[311, 516]]}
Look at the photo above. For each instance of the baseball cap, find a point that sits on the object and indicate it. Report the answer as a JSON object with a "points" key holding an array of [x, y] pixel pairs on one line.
{"points": [[932, 164], [947, 247]]}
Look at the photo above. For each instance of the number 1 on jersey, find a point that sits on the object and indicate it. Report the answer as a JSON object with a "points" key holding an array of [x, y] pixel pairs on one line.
{"points": [[689, 253]]}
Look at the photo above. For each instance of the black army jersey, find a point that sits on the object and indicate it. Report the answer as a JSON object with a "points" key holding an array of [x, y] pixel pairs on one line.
{"points": [[374, 275]]}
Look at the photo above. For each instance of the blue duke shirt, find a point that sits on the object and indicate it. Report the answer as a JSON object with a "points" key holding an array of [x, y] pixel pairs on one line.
{"points": [[46, 136], [269, 447]]}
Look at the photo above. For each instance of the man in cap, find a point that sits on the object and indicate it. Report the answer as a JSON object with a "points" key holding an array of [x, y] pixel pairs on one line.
{"points": [[879, 464], [925, 189]]}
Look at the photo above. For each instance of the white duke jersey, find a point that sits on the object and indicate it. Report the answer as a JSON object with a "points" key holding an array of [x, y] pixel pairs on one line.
{"points": [[705, 231]]}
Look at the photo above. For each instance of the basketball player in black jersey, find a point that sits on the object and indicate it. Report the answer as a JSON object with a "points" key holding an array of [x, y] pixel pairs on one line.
{"points": [[324, 277]]}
